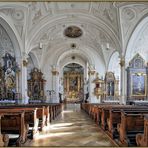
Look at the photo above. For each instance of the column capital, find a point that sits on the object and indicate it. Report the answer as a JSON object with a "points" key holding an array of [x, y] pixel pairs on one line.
{"points": [[55, 72], [122, 62], [91, 72], [25, 63]]}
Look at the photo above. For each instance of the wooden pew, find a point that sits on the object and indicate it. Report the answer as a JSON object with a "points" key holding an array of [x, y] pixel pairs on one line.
{"points": [[51, 111], [30, 118], [38, 115], [112, 121], [105, 114], [142, 139], [13, 122], [4, 138], [131, 124], [45, 114], [95, 111], [86, 107], [41, 113], [55, 110], [106, 121], [115, 118]]}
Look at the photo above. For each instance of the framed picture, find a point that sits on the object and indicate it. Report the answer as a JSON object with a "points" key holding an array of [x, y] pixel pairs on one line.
{"points": [[138, 84]]}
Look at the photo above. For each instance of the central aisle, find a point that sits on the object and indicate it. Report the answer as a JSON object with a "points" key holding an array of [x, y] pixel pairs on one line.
{"points": [[72, 128]]}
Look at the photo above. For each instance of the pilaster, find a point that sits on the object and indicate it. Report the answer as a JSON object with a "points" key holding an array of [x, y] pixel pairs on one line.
{"points": [[25, 97], [122, 81], [55, 84], [91, 74]]}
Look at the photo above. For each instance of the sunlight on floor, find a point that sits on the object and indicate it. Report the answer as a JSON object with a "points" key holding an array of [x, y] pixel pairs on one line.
{"points": [[54, 135], [61, 124], [68, 111]]}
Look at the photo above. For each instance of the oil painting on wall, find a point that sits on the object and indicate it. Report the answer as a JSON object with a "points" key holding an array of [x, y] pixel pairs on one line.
{"points": [[138, 82]]}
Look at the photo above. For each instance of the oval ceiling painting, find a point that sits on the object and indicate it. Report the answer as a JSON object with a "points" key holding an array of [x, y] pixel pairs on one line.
{"points": [[73, 32]]}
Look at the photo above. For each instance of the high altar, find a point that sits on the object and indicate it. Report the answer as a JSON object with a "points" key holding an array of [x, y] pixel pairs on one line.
{"points": [[73, 84]]}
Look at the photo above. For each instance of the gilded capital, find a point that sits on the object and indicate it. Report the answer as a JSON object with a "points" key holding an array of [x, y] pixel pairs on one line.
{"points": [[122, 62], [25, 63], [91, 72], [55, 72]]}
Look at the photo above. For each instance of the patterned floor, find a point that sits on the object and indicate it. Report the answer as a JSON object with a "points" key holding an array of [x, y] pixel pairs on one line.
{"points": [[72, 128]]}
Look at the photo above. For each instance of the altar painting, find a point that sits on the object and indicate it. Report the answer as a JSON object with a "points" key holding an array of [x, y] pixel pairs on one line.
{"points": [[138, 83]]}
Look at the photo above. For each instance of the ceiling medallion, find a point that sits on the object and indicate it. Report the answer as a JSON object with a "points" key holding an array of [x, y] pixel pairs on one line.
{"points": [[73, 57], [73, 32], [73, 45]]}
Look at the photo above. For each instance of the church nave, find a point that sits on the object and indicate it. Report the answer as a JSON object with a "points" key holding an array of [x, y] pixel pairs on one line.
{"points": [[90, 56]]}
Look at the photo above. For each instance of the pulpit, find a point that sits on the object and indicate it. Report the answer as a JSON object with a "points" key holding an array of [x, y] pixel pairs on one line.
{"points": [[98, 90]]}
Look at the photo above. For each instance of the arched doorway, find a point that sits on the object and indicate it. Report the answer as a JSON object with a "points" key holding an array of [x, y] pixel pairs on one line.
{"points": [[73, 83]]}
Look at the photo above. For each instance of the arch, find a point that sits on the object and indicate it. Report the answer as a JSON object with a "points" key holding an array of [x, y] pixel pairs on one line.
{"points": [[114, 65], [76, 62], [14, 36], [34, 60], [78, 53], [138, 36]]}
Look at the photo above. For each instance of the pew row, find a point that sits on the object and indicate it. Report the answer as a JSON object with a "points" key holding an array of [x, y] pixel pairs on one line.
{"points": [[131, 124], [38, 117], [142, 139], [109, 117], [13, 123]]}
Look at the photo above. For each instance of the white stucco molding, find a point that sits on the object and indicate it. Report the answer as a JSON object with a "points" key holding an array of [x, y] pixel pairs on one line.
{"points": [[112, 60], [34, 59], [81, 18], [13, 34], [136, 34]]}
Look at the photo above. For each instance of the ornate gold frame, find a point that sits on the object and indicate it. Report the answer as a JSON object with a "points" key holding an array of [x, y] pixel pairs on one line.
{"points": [[145, 82]]}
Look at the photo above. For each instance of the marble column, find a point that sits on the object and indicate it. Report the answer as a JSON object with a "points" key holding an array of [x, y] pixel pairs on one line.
{"points": [[25, 97], [91, 74], [55, 86], [122, 82]]}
